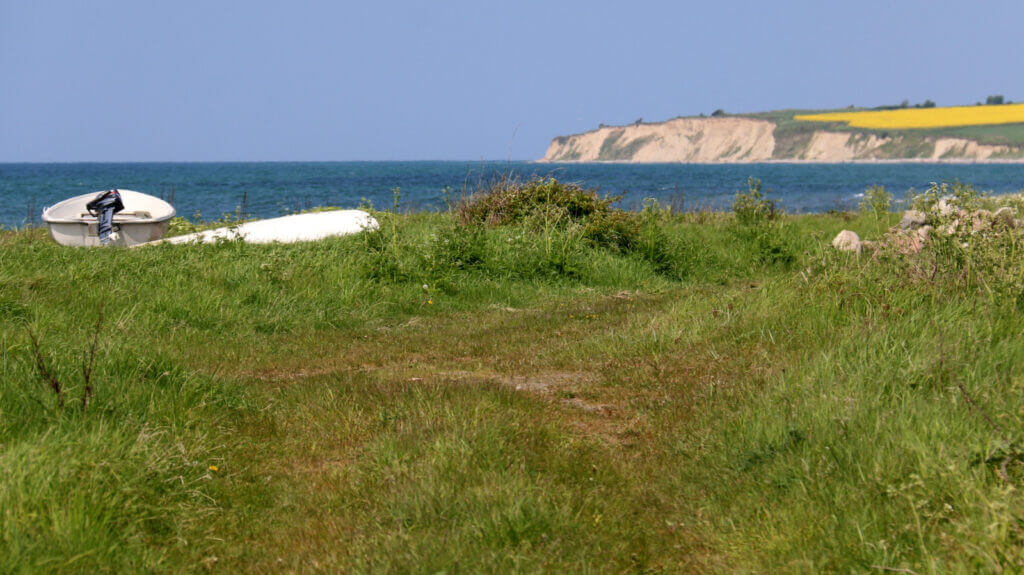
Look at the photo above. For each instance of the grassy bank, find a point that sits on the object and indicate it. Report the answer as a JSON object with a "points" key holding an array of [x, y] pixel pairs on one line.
{"points": [[535, 383]]}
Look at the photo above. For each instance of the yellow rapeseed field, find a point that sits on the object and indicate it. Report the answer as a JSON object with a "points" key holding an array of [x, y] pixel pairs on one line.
{"points": [[909, 118]]}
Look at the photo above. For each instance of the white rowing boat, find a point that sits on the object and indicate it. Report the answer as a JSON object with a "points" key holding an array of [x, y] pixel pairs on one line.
{"points": [[143, 219]]}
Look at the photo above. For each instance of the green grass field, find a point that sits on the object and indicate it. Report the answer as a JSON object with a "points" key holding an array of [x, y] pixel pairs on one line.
{"points": [[540, 392]]}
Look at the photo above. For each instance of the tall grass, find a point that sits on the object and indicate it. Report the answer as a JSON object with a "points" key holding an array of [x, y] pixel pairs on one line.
{"points": [[562, 389]]}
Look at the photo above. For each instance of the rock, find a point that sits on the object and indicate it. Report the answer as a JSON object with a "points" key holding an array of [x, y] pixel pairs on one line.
{"points": [[847, 241], [949, 212], [912, 219], [944, 208], [958, 225], [924, 232], [906, 243], [1005, 217], [981, 220]]}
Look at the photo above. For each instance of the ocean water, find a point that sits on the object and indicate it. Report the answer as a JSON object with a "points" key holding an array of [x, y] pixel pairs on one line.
{"points": [[268, 189]]}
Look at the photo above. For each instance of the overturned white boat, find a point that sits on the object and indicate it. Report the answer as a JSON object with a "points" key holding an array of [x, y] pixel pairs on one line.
{"points": [[143, 218], [286, 229]]}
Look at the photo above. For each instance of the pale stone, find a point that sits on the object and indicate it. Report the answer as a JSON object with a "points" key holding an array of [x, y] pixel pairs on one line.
{"points": [[981, 220], [1005, 217], [944, 208], [912, 219], [906, 243], [847, 241]]}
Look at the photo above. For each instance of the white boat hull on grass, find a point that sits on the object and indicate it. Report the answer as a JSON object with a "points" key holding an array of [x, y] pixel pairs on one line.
{"points": [[287, 229], [145, 218]]}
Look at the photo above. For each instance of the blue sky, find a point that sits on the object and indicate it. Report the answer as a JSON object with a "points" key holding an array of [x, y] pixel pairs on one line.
{"points": [[388, 80]]}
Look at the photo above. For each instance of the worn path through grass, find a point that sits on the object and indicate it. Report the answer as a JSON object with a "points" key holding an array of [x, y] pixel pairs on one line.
{"points": [[469, 439]]}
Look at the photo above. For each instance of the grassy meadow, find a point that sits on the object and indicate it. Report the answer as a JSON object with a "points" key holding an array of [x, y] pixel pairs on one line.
{"points": [[533, 381]]}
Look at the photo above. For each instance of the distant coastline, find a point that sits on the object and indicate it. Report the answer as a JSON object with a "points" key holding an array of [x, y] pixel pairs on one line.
{"points": [[775, 137], [874, 161]]}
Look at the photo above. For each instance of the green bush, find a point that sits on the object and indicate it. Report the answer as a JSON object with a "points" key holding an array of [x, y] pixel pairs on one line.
{"points": [[876, 201], [876, 204], [457, 248], [760, 228], [508, 201], [752, 207], [543, 203], [957, 197]]}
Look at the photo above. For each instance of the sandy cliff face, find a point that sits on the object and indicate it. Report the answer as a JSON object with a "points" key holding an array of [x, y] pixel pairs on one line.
{"points": [[680, 140], [852, 147], [738, 139], [961, 148], [838, 147]]}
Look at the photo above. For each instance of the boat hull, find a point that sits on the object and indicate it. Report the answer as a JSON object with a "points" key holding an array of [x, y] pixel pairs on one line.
{"points": [[287, 229], [144, 219], [85, 234]]}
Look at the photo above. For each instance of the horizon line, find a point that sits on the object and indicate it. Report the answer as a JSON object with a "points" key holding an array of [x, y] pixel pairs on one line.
{"points": [[9, 162]]}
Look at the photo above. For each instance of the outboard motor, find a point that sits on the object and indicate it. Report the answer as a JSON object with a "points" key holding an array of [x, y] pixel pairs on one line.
{"points": [[104, 206]]}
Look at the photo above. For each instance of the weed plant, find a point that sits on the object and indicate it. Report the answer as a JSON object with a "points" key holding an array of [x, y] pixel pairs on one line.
{"points": [[957, 196], [877, 203], [762, 227]]}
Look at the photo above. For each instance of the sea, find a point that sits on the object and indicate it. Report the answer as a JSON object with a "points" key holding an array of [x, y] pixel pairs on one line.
{"points": [[205, 191]]}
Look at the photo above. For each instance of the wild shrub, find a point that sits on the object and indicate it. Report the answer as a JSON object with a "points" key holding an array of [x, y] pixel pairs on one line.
{"points": [[775, 245], [986, 262], [876, 201], [954, 247], [457, 248], [759, 226], [876, 204], [652, 243], [752, 207], [960, 256], [614, 229], [541, 203], [386, 247], [509, 200], [670, 254], [992, 264], [942, 202], [382, 259]]}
